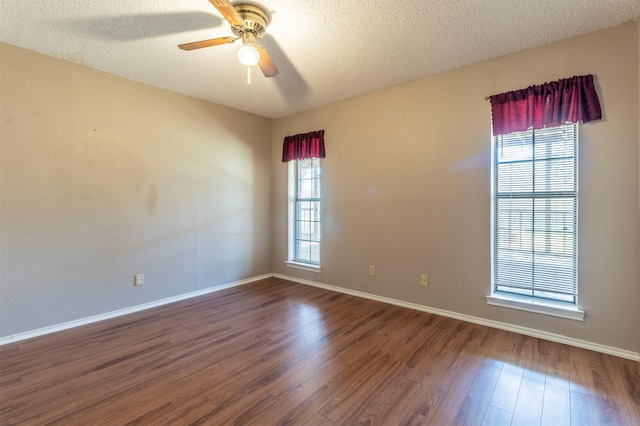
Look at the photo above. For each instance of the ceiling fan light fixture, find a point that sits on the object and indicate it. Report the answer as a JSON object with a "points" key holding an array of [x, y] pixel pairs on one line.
{"points": [[248, 55], [248, 23]]}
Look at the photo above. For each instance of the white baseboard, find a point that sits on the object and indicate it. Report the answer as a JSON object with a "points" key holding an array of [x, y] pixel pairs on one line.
{"points": [[622, 353], [120, 312]]}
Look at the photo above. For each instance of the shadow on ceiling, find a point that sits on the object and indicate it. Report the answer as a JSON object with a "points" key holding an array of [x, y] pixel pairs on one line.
{"points": [[142, 26], [289, 80]]}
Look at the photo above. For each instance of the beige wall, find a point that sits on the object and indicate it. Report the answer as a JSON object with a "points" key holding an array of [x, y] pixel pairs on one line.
{"points": [[406, 187], [102, 178]]}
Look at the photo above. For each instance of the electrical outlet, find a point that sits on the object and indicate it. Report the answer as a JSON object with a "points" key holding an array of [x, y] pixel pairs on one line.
{"points": [[424, 280], [372, 270], [138, 279]]}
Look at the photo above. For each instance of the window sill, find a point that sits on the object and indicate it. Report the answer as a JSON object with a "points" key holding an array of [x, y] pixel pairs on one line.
{"points": [[536, 307], [303, 266]]}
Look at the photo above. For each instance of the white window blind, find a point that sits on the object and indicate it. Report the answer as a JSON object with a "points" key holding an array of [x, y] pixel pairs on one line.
{"points": [[535, 214], [307, 212]]}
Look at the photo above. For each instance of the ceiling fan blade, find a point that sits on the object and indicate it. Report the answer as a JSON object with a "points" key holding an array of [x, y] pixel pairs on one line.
{"points": [[265, 63], [207, 43], [229, 13]]}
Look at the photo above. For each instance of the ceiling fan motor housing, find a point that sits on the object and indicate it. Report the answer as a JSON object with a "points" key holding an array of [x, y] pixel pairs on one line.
{"points": [[255, 20]]}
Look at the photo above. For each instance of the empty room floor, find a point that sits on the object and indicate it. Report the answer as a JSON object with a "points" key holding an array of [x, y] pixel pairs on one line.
{"points": [[276, 352]]}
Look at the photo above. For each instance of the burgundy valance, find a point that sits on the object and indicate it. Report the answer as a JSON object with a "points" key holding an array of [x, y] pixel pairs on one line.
{"points": [[303, 145], [551, 104]]}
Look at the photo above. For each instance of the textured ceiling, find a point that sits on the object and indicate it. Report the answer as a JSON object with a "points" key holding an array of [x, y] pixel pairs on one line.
{"points": [[326, 50]]}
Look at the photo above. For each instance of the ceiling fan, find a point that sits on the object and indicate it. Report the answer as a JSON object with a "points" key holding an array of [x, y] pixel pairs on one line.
{"points": [[248, 22]]}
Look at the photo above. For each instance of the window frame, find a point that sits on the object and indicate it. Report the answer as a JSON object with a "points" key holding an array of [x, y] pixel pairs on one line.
{"points": [[295, 260], [532, 303]]}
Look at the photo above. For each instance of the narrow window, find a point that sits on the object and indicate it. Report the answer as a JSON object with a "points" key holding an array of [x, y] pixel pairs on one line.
{"points": [[535, 215], [304, 211]]}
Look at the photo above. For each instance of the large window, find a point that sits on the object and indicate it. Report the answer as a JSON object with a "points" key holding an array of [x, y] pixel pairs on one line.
{"points": [[535, 215], [304, 211]]}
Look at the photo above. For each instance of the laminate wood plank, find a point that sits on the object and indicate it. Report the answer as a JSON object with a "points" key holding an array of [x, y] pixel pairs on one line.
{"points": [[176, 413], [320, 357], [9, 379], [75, 393], [558, 356], [591, 376], [218, 344], [319, 420], [166, 370], [498, 347], [52, 382], [411, 418], [351, 397], [5, 407], [138, 397], [242, 408], [629, 372], [496, 417], [246, 401], [453, 367], [324, 362], [48, 399], [613, 386], [53, 409], [507, 348], [69, 338], [584, 409], [128, 345], [188, 337], [8, 350], [556, 407], [532, 354], [254, 384], [281, 366], [506, 390], [476, 401], [429, 356], [129, 383], [305, 401], [400, 343], [276, 352], [149, 404], [581, 374], [19, 365], [449, 395], [528, 409], [410, 330], [181, 398], [300, 341], [382, 405]]}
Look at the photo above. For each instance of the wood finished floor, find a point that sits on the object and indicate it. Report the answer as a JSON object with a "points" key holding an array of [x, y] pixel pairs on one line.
{"points": [[275, 352]]}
